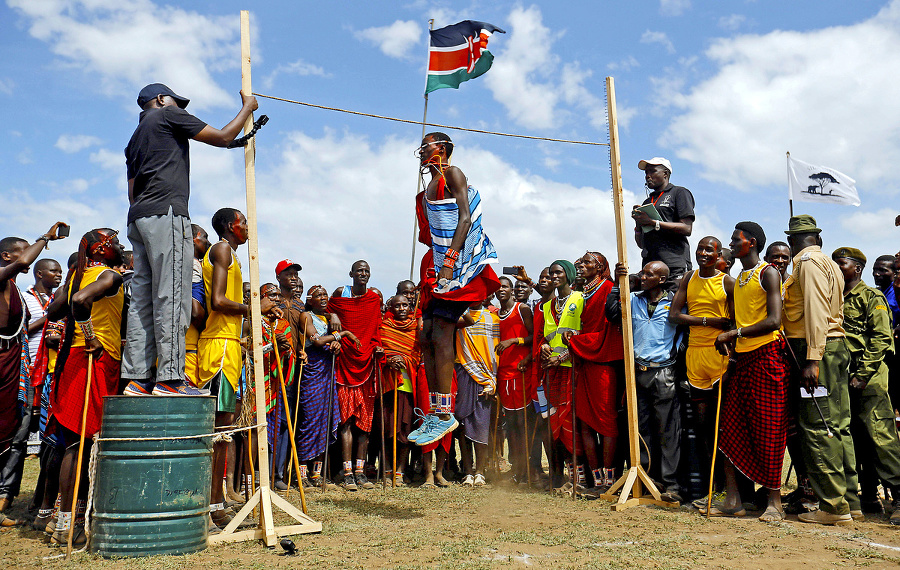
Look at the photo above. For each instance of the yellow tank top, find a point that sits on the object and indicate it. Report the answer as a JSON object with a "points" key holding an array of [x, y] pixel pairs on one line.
{"points": [[706, 297], [219, 325], [106, 315], [750, 307]]}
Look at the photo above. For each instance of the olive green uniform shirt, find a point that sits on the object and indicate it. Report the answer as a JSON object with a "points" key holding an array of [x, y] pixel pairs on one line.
{"points": [[867, 322]]}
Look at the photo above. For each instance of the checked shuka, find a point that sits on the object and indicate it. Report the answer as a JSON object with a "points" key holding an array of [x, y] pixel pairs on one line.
{"points": [[754, 414]]}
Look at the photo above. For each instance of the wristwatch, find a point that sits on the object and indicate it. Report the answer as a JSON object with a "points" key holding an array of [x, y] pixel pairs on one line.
{"points": [[656, 226]]}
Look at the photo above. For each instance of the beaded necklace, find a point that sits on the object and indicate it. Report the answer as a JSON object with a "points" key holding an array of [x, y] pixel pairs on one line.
{"points": [[741, 280]]}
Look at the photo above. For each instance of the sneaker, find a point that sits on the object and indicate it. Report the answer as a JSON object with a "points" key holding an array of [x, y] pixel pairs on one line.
{"points": [[211, 527], [426, 421], [138, 388], [280, 485], [469, 481], [362, 481], [177, 388], [437, 429], [857, 515], [717, 499], [479, 480], [349, 484], [821, 517]]}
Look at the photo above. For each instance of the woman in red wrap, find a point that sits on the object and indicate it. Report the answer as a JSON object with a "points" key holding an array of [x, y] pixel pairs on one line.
{"points": [[599, 351]]}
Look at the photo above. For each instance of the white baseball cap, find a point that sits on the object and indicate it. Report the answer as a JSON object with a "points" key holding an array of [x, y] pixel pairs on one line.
{"points": [[656, 160]]}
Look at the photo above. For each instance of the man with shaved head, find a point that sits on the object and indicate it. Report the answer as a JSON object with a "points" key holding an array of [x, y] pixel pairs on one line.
{"points": [[656, 341]]}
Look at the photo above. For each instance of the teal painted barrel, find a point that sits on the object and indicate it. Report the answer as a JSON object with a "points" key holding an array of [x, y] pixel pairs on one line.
{"points": [[152, 497]]}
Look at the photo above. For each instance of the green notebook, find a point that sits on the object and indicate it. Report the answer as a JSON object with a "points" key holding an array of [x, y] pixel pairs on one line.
{"points": [[651, 211]]}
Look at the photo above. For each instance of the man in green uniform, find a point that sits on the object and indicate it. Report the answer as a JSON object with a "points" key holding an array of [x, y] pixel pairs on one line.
{"points": [[867, 322], [812, 320]]}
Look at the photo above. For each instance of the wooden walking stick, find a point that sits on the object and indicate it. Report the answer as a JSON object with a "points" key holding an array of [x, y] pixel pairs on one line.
{"points": [[299, 375], [712, 465], [277, 429], [84, 412], [574, 421], [525, 431], [290, 426], [330, 412], [394, 461], [551, 449], [381, 423]]}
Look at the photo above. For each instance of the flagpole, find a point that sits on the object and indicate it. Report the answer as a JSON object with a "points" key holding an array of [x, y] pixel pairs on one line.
{"points": [[790, 196], [412, 255]]}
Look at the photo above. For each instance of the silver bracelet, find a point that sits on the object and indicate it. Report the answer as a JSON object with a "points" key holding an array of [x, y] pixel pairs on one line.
{"points": [[704, 321]]}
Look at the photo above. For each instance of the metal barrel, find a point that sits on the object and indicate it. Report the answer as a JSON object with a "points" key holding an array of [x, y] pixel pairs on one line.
{"points": [[152, 497]]}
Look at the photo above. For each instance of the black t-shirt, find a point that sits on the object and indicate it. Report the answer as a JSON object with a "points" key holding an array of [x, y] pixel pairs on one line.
{"points": [[158, 159], [674, 204]]}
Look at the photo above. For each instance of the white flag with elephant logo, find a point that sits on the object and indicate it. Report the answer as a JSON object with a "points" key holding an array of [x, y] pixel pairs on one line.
{"points": [[811, 183]]}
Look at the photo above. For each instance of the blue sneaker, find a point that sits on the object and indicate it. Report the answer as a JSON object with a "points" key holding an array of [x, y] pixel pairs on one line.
{"points": [[414, 434], [138, 388], [177, 388], [436, 429]]}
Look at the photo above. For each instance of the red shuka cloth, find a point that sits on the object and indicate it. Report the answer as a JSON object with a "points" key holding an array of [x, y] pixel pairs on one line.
{"points": [[361, 316], [534, 379], [67, 401], [509, 380], [399, 339], [598, 343]]}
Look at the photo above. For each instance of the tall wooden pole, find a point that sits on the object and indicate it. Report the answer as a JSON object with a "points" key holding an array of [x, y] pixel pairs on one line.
{"points": [[631, 481], [266, 522], [412, 260]]}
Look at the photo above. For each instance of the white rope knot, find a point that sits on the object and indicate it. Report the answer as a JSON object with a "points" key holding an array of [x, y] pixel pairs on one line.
{"points": [[226, 437]]}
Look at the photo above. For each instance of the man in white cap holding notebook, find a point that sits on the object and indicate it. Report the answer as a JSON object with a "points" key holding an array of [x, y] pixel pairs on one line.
{"points": [[666, 238]]}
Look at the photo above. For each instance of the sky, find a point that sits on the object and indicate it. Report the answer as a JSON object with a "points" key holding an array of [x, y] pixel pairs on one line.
{"points": [[722, 89]]}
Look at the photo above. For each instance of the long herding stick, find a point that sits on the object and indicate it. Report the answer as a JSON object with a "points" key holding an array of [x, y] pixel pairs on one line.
{"points": [[87, 395], [525, 431], [712, 465], [290, 426], [299, 376], [551, 450], [394, 459], [277, 429], [330, 413], [574, 422], [381, 423]]}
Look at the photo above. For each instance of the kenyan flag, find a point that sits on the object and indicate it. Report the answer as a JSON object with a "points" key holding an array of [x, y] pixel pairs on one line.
{"points": [[457, 53]]}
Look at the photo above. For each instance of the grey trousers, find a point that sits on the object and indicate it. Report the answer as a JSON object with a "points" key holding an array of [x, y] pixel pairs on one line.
{"points": [[160, 310], [659, 423]]}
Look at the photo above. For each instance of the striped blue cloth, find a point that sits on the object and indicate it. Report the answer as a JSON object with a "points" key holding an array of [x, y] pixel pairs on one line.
{"points": [[443, 217]]}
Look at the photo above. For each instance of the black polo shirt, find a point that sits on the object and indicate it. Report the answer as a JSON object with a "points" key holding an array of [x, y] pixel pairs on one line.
{"points": [[674, 204], [158, 159]]}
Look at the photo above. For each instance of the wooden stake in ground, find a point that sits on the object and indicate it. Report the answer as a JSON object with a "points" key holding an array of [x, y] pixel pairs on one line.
{"points": [[394, 459], [290, 425], [633, 480], [87, 397], [264, 497]]}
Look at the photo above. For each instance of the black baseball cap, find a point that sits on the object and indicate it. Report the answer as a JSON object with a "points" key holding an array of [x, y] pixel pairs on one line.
{"points": [[151, 91]]}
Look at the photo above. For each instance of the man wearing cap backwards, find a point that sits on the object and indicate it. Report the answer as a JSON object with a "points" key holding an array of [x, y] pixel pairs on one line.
{"points": [[666, 239], [159, 227], [867, 322], [812, 320]]}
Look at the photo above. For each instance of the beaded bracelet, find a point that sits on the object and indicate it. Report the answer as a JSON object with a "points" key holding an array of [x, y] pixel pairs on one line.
{"points": [[87, 329]]}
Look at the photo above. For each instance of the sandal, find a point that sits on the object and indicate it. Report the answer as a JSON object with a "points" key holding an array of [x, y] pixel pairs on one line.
{"points": [[721, 511]]}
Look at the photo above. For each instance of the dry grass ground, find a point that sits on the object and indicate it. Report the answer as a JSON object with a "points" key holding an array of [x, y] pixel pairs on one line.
{"points": [[501, 527]]}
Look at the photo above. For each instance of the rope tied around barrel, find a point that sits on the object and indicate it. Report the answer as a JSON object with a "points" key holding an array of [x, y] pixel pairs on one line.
{"points": [[92, 469]]}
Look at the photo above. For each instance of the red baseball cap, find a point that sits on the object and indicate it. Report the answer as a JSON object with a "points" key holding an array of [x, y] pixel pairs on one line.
{"points": [[286, 264]]}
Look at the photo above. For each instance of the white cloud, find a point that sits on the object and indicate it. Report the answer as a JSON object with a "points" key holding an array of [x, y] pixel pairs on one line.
{"points": [[673, 7], [795, 91], [25, 156], [732, 22], [131, 44], [660, 38], [298, 67], [76, 185], [6, 86], [533, 83], [395, 40], [626, 64], [70, 144]]}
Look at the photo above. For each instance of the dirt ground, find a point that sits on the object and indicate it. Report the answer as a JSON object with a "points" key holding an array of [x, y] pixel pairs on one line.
{"points": [[498, 526]]}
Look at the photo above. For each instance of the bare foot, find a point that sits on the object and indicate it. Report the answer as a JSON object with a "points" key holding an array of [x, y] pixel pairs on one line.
{"points": [[440, 481], [772, 515]]}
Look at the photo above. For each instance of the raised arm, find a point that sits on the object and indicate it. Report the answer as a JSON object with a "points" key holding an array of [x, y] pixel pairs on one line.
{"points": [[29, 254], [223, 137]]}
